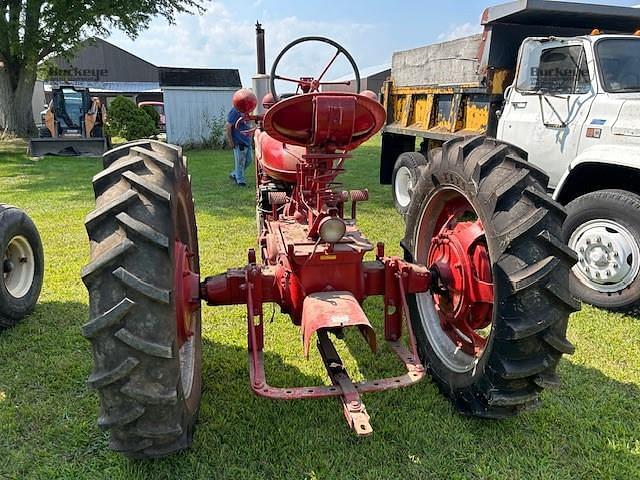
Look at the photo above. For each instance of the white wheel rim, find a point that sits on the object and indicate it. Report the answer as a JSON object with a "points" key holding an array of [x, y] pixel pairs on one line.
{"points": [[608, 255], [403, 186], [18, 267]]}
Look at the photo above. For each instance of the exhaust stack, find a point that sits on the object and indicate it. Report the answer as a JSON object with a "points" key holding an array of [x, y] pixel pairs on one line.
{"points": [[260, 81], [262, 68]]}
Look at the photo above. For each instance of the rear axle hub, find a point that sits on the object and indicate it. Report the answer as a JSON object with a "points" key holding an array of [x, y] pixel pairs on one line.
{"points": [[463, 295], [186, 291]]}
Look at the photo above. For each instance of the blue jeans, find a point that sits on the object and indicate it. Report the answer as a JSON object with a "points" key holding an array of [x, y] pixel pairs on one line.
{"points": [[242, 160]]}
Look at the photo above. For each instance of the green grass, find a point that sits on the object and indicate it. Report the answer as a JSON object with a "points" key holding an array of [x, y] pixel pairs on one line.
{"points": [[590, 428]]}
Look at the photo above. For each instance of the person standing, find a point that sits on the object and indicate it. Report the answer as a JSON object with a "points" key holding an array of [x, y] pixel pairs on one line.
{"points": [[241, 144]]}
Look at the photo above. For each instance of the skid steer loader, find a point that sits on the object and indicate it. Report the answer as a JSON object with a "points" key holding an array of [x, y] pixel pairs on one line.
{"points": [[73, 124]]}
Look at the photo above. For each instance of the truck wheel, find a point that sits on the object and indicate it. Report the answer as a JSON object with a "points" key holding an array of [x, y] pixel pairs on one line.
{"points": [[491, 332], [404, 179], [603, 227], [143, 283], [22, 265]]}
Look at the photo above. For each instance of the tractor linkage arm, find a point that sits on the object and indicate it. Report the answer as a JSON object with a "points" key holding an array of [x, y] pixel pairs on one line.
{"points": [[390, 277]]}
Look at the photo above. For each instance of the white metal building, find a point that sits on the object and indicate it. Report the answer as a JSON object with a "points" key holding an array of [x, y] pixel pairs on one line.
{"points": [[193, 99]]}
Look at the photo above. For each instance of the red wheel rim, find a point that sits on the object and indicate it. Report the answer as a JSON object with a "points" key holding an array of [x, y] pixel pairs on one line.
{"points": [[186, 292], [464, 296]]}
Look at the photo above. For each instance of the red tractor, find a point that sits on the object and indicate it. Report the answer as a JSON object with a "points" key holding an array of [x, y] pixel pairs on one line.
{"points": [[481, 295]]}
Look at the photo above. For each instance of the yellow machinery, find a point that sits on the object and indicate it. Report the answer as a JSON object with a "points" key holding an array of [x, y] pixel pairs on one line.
{"points": [[73, 124]]}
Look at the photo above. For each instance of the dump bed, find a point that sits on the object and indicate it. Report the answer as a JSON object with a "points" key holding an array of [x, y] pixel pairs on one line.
{"points": [[454, 62]]}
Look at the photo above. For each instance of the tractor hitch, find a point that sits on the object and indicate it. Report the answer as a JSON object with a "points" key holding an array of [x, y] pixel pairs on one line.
{"points": [[325, 312]]}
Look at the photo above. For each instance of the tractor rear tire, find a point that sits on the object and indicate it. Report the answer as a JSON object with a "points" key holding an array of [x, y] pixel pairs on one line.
{"points": [[149, 385], [21, 265], [529, 265], [405, 178]]}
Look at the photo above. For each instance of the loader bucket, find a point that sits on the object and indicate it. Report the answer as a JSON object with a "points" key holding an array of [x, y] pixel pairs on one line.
{"points": [[67, 147]]}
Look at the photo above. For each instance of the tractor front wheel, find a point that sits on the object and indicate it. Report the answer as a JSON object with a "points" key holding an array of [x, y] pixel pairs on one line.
{"points": [[143, 283], [493, 327]]}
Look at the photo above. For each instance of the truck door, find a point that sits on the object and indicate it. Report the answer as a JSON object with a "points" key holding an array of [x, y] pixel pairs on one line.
{"points": [[549, 102]]}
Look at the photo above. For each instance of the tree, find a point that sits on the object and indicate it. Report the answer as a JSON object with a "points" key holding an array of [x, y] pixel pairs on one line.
{"points": [[33, 30]]}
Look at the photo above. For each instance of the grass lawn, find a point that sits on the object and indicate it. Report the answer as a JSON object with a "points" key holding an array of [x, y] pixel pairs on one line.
{"points": [[590, 428]]}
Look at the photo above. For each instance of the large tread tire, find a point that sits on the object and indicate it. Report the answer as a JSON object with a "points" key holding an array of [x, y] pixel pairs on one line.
{"points": [[406, 169], [143, 206], [530, 268], [622, 207], [14, 222]]}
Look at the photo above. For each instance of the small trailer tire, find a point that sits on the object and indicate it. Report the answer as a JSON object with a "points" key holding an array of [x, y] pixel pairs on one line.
{"points": [[22, 264]]}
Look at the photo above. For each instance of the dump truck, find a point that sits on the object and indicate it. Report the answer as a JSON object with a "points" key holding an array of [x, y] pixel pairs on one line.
{"points": [[72, 124], [560, 81]]}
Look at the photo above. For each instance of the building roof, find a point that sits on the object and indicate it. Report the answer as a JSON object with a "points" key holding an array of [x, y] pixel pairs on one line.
{"points": [[97, 60], [365, 72], [110, 87], [200, 77]]}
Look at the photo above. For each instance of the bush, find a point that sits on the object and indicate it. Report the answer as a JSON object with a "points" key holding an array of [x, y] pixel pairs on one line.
{"points": [[217, 126], [126, 120], [153, 113]]}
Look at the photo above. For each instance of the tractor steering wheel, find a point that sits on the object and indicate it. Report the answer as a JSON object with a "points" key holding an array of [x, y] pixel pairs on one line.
{"points": [[311, 84]]}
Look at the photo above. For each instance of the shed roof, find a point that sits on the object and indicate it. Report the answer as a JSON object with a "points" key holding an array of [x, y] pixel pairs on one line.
{"points": [[200, 77]]}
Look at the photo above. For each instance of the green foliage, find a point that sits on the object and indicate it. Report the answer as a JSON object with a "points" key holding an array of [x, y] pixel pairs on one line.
{"points": [[216, 127], [153, 113], [36, 29], [125, 119]]}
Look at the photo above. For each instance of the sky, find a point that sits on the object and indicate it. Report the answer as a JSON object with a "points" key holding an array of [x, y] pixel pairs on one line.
{"points": [[224, 35]]}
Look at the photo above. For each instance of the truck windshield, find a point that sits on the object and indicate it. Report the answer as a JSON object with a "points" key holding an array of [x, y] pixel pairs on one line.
{"points": [[619, 60]]}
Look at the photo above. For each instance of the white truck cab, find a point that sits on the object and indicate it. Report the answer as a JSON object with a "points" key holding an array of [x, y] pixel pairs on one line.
{"points": [[574, 107]]}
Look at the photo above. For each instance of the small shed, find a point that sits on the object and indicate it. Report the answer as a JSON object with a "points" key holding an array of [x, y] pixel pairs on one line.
{"points": [[195, 98]]}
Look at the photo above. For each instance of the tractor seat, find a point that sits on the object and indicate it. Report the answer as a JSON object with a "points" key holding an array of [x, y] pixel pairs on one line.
{"points": [[321, 119]]}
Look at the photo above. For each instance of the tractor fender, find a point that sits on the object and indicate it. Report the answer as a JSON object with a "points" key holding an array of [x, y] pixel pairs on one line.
{"points": [[618, 155]]}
